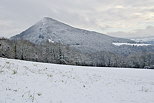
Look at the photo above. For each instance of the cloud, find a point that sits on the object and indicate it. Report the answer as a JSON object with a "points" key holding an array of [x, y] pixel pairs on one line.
{"points": [[98, 15], [148, 31]]}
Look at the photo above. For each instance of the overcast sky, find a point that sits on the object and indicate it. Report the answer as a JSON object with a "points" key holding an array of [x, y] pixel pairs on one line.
{"points": [[119, 18]]}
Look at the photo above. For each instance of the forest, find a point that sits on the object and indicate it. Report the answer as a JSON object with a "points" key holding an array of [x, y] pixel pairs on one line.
{"points": [[124, 56]]}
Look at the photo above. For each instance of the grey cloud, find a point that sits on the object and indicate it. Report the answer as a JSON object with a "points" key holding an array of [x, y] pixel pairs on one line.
{"points": [[98, 15], [148, 31]]}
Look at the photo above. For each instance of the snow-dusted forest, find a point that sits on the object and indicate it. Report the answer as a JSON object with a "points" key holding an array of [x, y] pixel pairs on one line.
{"points": [[49, 52]]}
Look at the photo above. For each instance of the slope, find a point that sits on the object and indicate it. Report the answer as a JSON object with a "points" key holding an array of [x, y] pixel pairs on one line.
{"points": [[52, 30], [30, 82]]}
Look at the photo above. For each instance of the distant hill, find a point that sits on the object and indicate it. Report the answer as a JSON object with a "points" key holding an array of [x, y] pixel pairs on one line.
{"points": [[149, 40], [52, 30]]}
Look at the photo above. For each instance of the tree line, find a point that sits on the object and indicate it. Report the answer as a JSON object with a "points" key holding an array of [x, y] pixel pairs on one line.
{"points": [[63, 54]]}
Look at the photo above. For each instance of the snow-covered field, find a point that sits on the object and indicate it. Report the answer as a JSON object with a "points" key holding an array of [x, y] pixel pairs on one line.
{"points": [[30, 82], [130, 44]]}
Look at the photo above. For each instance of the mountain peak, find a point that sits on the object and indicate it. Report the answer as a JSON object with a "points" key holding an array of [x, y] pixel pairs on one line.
{"points": [[48, 19], [53, 30], [52, 23]]}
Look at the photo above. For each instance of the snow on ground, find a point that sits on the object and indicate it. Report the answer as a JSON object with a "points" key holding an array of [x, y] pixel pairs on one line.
{"points": [[130, 44], [31, 82], [50, 41]]}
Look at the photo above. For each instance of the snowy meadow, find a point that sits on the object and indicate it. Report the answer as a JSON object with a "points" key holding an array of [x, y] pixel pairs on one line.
{"points": [[31, 82]]}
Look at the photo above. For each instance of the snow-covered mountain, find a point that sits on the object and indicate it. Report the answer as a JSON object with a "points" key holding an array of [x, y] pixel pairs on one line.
{"points": [[52, 30]]}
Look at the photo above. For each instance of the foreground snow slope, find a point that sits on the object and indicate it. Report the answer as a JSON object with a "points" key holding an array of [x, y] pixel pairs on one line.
{"points": [[30, 82]]}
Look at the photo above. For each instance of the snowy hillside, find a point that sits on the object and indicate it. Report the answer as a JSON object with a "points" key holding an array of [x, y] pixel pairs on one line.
{"points": [[30, 82], [55, 31], [145, 39]]}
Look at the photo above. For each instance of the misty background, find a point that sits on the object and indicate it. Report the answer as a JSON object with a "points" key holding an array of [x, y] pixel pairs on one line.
{"points": [[119, 18]]}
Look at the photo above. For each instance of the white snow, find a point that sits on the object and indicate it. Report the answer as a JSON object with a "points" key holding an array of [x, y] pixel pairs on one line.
{"points": [[50, 40], [131, 44], [31, 82]]}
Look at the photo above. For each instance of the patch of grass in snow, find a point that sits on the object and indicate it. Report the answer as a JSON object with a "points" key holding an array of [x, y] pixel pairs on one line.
{"points": [[35, 65], [15, 90], [30, 96], [7, 62], [1, 71], [144, 89], [9, 89], [49, 75], [39, 94], [14, 72]]}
